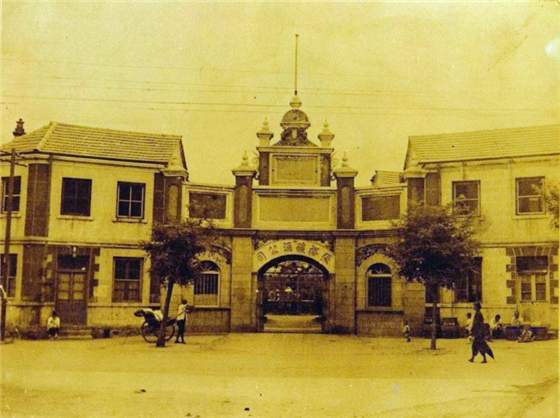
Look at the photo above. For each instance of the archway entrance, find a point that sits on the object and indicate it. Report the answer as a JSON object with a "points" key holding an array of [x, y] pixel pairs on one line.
{"points": [[292, 294]]}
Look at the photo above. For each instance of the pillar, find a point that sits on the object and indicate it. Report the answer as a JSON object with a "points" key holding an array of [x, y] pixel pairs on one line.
{"points": [[243, 194], [342, 293], [345, 195], [243, 285]]}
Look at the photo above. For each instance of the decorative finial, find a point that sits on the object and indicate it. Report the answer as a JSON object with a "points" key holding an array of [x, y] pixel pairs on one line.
{"points": [[245, 160], [265, 135], [326, 136], [19, 131], [296, 102], [265, 126], [345, 159]]}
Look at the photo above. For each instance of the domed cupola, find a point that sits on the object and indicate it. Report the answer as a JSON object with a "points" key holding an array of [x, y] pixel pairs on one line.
{"points": [[295, 123]]}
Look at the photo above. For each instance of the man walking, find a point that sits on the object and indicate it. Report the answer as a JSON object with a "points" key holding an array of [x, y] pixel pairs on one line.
{"points": [[480, 334]]}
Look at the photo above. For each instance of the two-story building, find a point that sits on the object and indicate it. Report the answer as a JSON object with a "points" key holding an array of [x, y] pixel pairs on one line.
{"points": [[83, 200], [501, 177], [298, 236]]}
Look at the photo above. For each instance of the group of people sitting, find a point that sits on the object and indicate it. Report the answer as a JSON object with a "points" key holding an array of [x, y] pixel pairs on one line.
{"points": [[496, 328]]}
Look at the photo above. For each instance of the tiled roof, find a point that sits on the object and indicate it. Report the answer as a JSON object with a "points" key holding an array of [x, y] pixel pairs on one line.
{"points": [[498, 143], [385, 178], [65, 139]]}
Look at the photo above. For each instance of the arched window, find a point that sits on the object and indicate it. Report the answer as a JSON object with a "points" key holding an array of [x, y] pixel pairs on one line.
{"points": [[206, 284], [379, 285]]}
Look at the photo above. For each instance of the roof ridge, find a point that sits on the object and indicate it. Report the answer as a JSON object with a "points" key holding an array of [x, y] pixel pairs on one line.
{"points": [[521, 128], [47, 135], [118, 130]]}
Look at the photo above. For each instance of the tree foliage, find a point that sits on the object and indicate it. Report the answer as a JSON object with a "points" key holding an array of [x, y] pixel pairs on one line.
{"points": [[434, 246], [173, 249]]}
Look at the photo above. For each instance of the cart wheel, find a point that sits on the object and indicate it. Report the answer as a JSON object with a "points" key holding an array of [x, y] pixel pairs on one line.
{"points": [[169, 332], [148, 333]]}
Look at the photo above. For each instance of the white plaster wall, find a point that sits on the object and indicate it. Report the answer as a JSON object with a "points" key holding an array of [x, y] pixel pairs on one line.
{"points": [[499, 222], [102, 225]]}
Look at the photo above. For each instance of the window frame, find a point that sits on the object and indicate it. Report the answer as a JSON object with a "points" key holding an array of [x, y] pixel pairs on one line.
{"points": [[472, 285], [127, 280], [16, 197], [385, 281], [130, 201], [207, 277], [538, 195], [64, 198], [11, 279], [533, 278], [456, 200]]}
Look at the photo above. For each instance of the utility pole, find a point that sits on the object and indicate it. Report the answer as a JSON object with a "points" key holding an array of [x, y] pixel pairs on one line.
{"points": [[7, 259]]}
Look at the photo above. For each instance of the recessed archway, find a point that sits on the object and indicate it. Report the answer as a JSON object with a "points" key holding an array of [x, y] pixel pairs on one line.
{"points": [[292, 292]]}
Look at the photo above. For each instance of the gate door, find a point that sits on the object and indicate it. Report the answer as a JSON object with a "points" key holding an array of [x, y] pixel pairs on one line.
{"points": [[72, 289]]}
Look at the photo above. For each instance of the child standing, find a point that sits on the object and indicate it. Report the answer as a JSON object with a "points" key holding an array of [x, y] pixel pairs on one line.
{"points": [[406, 331]]}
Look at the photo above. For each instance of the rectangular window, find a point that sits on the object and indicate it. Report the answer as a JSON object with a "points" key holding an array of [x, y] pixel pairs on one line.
{"points": [[127, 275], [377, 208], [206, 284], [11, 284], [15, 196], [532, 272], [379, 291], [76, 197], [469, 289], [207, 205], [526, 288], [530, 195], [466, 197], [130, 200]]}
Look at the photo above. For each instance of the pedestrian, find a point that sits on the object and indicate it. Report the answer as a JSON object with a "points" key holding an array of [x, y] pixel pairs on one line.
{"points": [[181, 322], [468, 327], [53, 325], [479, 333], [406, 331]]}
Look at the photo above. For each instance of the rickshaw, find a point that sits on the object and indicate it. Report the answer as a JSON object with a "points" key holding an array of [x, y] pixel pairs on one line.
{"points": [[150, 327]]}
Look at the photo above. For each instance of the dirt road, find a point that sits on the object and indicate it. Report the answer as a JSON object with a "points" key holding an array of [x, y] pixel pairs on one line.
{"points": [[276, 375]]}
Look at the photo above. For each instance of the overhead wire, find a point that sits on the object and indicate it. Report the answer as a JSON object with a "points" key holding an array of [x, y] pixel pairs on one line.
{"points": [[273, 105]]}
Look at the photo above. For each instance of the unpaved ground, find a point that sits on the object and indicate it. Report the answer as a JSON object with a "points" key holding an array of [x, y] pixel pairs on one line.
{"points": [[276, 375]]}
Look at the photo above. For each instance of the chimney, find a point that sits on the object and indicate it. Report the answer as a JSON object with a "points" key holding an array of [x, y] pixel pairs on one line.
{"points": [[19, 128]]}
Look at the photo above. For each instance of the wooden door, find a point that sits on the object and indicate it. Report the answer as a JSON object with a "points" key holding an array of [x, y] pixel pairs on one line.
{"points": [[72, 290]]}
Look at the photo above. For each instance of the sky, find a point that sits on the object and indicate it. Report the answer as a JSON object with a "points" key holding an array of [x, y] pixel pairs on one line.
{"points": [[378, 72]]}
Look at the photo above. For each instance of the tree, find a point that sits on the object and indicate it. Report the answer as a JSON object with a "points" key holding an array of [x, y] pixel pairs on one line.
{"points": [[434, 247], [173, 251]]}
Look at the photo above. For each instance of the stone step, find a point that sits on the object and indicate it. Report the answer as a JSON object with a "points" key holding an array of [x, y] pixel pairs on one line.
{"points": [[75, 333]]}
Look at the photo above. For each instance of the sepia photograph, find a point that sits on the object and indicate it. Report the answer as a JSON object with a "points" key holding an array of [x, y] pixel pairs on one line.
{"points": [[275, 209]]}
